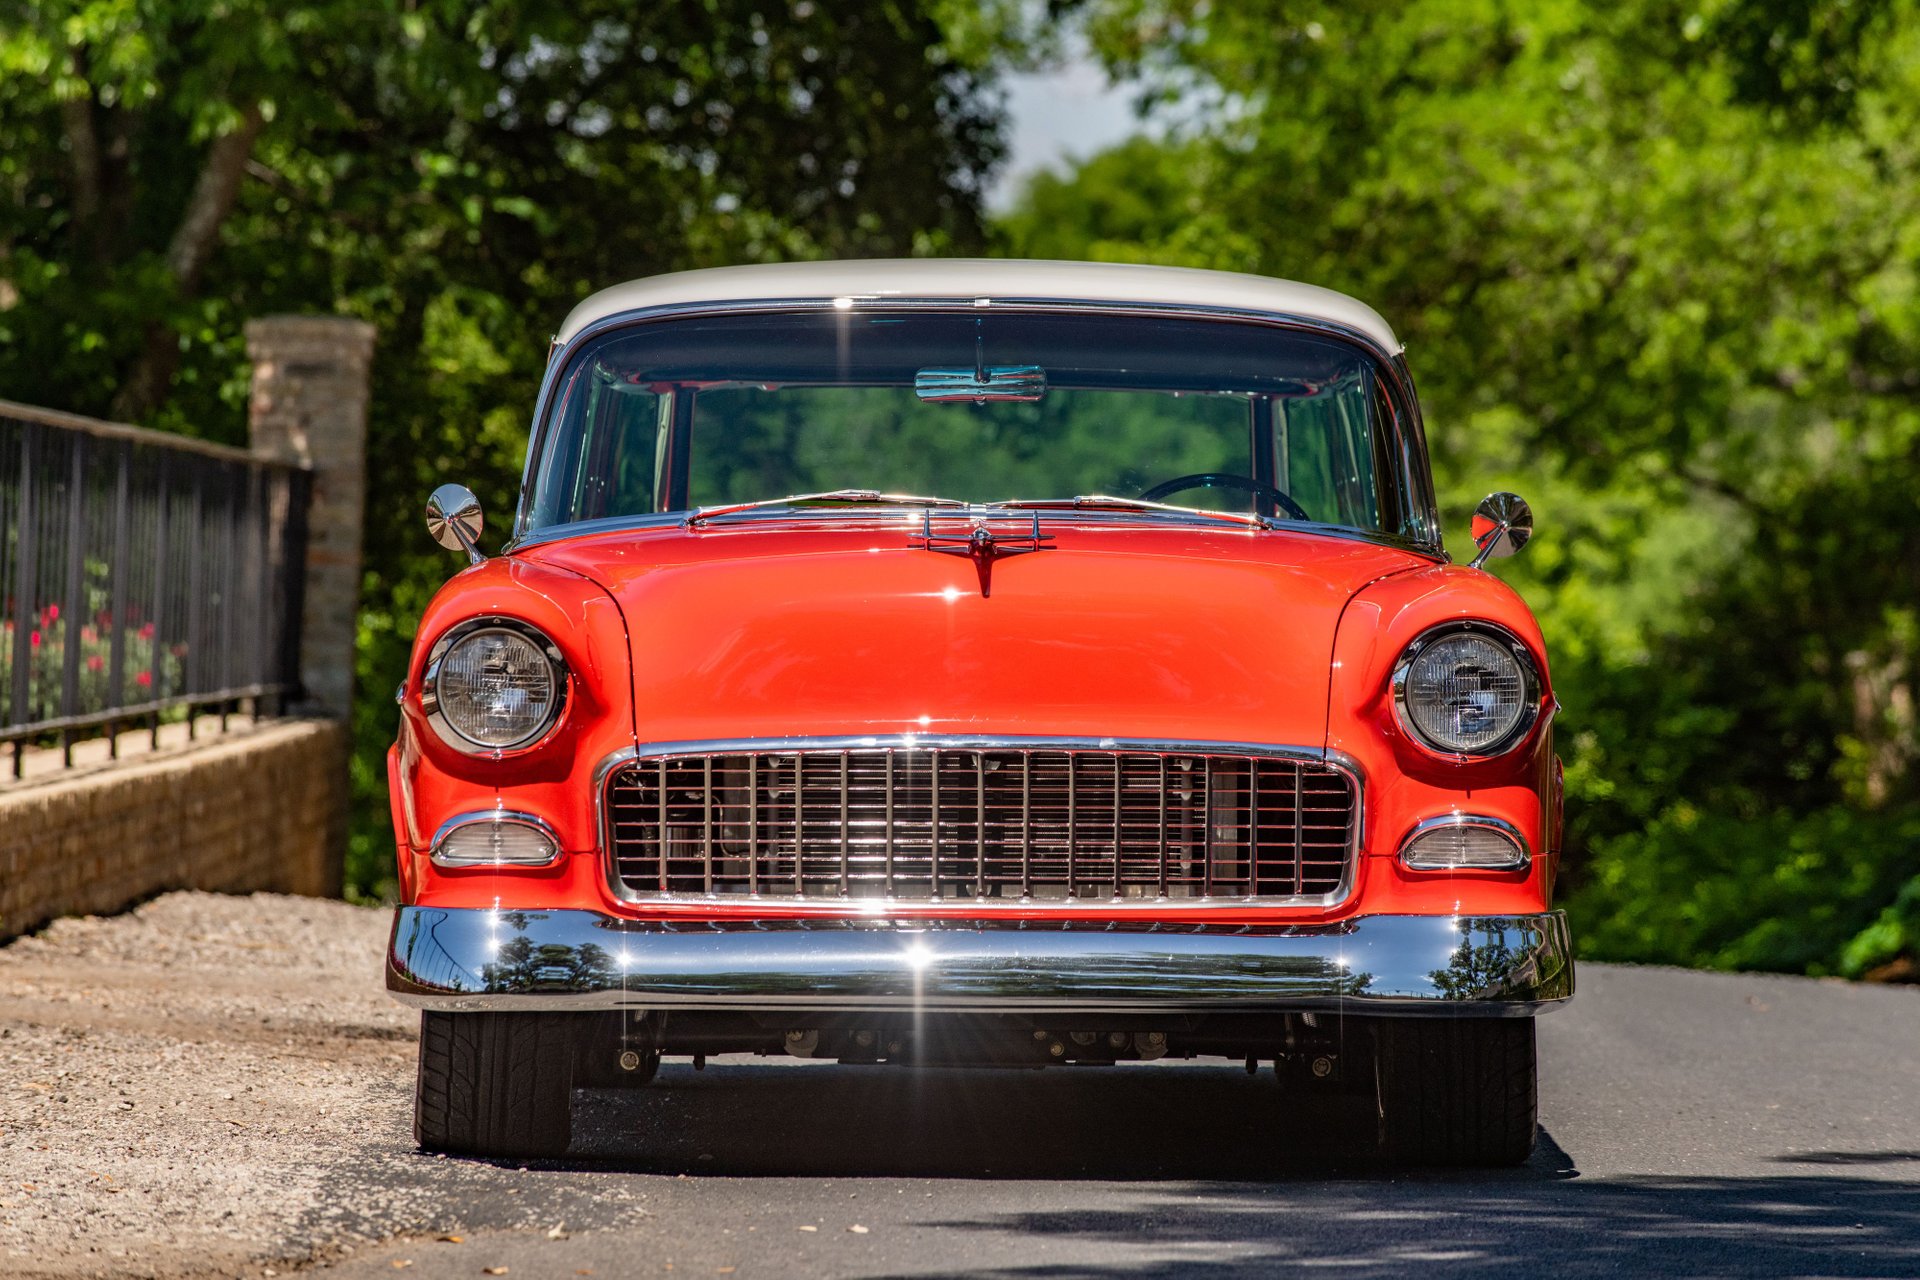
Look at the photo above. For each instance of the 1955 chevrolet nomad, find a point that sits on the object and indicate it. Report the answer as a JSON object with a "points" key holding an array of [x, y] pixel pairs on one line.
{"points": [[1099, 691]]}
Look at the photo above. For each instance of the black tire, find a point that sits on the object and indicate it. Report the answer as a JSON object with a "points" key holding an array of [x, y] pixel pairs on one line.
{"points": [[495, 1084], [1458, 1091]]}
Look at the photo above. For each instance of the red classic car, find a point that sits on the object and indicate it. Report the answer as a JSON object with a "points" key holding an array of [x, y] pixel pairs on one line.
{"points": [[1098, 691]]}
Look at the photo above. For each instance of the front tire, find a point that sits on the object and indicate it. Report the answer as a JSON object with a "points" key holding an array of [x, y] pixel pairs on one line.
{"points": [[1458, 1091], [495, 1084]]}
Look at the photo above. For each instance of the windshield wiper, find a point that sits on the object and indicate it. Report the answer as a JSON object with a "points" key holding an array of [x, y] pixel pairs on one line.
{"points": [[832, 498], [1108, 502]]}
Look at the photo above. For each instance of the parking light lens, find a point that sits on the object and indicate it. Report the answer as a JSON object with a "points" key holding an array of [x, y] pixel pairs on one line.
{"points": [[494, 839], [1464, 844]]}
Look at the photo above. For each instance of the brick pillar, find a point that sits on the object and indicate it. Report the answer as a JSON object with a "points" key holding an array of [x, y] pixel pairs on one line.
{"points": [[309, 405]]}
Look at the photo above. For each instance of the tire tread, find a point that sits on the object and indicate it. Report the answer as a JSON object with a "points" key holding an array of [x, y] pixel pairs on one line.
{"points": [[494, 1084], [1460, 1091]]}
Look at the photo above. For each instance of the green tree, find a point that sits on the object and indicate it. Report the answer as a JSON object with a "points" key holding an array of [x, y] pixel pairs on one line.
{"points": [[1655, 267], [460, 174]]}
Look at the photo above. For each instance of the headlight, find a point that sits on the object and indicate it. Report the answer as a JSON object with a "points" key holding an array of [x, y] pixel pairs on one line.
{"points": [[493, 684], [1466, 689]]}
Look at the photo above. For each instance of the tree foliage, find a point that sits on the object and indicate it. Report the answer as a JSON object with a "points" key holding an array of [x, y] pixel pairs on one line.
{"points": [[1655, 266], [460, 174], [1655, 263]]}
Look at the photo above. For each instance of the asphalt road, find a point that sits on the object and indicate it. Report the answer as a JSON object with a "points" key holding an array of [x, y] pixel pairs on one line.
{"points": [[1692, 1124]]}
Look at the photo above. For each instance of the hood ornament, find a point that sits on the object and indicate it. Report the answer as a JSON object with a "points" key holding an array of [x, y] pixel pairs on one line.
{"points": [[982, 545]]}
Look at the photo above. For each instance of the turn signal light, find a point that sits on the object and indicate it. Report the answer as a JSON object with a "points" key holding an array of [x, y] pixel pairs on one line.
{"points": [[1460, 842], [495, 838]]}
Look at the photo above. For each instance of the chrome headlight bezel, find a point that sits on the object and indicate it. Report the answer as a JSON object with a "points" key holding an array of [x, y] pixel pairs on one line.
{"points": [[1530, 705], [430, 679]]}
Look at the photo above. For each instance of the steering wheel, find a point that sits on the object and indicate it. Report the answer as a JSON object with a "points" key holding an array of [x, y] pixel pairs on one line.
{"points": [[1227, 480]]}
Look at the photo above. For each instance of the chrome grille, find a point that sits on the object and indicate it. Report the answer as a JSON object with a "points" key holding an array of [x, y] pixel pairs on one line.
{"points": [[924, 821]]}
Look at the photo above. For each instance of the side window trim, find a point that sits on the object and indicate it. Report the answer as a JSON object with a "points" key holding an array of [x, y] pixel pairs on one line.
{"points": [[589, 462], [662, 450], [1260, 424], [681, 400]]}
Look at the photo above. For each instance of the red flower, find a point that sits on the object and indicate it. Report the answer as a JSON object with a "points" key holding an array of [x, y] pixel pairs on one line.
{"points": [[36, 640], [143, 679], [53, 613], [146, 631], [95, 663]]}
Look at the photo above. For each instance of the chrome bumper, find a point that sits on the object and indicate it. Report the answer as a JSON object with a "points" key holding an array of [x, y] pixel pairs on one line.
{"points": [[471, 959]]}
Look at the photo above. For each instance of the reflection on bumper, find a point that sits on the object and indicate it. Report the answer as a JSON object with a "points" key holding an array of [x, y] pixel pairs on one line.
{"points": [[462, 959]]}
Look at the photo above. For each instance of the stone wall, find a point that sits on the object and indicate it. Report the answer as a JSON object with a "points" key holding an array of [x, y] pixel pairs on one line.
{"points": [[263, 808]]}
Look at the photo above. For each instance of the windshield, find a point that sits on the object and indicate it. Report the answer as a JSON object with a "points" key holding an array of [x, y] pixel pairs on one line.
{"points": [[980, 407]]}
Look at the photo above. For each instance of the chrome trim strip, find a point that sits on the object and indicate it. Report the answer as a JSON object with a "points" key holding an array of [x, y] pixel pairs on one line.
{"points": [[1530, 714], [514, 817], [1418, 506], [1338, 761], [1522, 850], [450, 959], [430, 680]]}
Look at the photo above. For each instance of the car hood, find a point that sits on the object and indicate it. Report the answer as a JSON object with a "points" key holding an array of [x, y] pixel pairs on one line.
{"points": [[797, 627]]}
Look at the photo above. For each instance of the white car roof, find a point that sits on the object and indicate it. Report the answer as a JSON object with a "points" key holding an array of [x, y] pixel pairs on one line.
{"points": [[1006, 279]]}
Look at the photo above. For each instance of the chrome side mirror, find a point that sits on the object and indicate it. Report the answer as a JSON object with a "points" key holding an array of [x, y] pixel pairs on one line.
{"points": [[1502, 523], [453, 518]]}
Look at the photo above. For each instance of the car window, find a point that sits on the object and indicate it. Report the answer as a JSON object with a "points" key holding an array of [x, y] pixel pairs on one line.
{"points": [[618, 434], [736, 408], [1325, 454], [751, 443]]}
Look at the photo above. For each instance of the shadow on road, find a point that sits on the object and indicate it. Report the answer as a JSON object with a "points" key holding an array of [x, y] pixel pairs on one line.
{"points": [[1785, 1226], [1112, 1124], [1216, 1171]]}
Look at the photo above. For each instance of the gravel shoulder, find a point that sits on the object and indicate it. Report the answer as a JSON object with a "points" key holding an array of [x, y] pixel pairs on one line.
{"points": [[220, 1086], [181, 1083]]}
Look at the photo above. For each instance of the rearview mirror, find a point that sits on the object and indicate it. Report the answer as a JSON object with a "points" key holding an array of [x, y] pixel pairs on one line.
{"points": [[1502, 523], [453, 518], [981, 384]]}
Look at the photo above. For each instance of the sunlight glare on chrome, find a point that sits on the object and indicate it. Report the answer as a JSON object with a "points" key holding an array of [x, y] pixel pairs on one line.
{"points": [[919, 957]]}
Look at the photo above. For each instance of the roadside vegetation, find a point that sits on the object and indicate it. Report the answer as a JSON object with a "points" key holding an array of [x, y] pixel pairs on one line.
{"points": [[1655, 263], [1655, 266]]}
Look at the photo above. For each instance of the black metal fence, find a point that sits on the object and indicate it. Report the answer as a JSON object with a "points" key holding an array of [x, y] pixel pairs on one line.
{"points": [[143, 577]]}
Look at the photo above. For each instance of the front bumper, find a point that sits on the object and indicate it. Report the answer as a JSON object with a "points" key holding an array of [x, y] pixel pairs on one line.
{"points": [[475, 959]]}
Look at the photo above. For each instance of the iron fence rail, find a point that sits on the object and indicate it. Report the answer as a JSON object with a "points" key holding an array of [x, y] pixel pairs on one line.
{"points": [[142, 576]]}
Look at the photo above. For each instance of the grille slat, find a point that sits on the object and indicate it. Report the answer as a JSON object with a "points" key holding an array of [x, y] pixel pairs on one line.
{"points": [[1040, 824]]}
